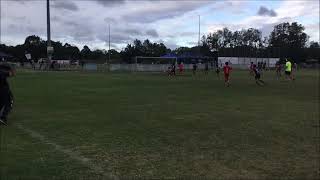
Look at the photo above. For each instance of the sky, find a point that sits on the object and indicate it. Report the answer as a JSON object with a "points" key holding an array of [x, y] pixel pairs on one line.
{"points": [[172, 22]]}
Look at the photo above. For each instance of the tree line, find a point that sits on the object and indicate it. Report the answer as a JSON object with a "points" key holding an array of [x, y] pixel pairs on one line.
{"points": [[287, 40]]}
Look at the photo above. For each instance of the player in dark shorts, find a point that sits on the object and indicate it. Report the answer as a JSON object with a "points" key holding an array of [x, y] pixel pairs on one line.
{"points": [[278, 70], [194, 68], [206, 68], [6, 97], [218, 71], [251, 69], [257, 76], [173, 69]]}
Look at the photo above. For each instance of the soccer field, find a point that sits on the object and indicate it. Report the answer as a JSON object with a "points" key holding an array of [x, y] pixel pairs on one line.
{"points": [[84, 125]]}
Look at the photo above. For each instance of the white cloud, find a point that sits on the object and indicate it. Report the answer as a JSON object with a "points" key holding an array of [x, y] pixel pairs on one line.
{"points": [[288, 11]]}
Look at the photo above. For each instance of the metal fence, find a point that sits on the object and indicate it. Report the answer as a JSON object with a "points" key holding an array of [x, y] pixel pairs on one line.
{"points": [[235, 62]]}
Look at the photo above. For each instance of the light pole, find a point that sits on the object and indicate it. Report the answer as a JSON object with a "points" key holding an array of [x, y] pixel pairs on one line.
{"points": [[199, 33], [109, 46], [49, 47]]}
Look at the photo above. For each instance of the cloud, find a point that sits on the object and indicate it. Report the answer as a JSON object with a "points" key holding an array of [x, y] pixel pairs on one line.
{"points": [[19, 18], [56, 18], [263, 11], [153, 11], [21, 1], [108, 3], [188, 34], [67, 5], [287, 11], [115, 38], [152, 32], [109, 20], [133, 32]]}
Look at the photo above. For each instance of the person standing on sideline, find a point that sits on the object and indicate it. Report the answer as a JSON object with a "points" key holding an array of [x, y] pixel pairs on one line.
{"points": [[288, 70], [227, 71], [6, 97]]}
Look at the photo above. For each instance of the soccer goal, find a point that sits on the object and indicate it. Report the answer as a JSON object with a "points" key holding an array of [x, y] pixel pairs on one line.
{"points": [[153, 64], [155, 60]]}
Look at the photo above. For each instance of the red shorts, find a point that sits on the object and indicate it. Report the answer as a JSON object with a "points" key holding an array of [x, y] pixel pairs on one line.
{"points": [[226, 77]]}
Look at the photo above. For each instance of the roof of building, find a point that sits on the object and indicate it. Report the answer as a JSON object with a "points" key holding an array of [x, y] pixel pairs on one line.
{"points": [[4, 55]]}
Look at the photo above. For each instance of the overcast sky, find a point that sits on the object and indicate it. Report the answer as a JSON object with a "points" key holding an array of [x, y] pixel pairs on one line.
{"points": [[175, 23]]}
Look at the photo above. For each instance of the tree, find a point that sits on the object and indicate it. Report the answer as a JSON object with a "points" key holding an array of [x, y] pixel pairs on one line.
{"points": [[252, 37], [147, 48], [314, 44], [227, 39], [237, 39], [85, 52], [212, 41], [288, 35], [128, 53], [138, 48], [35, 46]]}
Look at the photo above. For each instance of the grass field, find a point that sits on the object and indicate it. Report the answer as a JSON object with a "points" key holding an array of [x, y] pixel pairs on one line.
{"points": [[82, 125]]}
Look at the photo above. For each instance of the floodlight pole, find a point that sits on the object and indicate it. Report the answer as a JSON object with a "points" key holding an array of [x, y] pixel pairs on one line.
{"points": [[109, 46], [49, 48], [48, 24], [199, 33]]}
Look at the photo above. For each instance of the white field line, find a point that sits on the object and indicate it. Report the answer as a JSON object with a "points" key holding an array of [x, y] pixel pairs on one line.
{"points": [[73, 155]]}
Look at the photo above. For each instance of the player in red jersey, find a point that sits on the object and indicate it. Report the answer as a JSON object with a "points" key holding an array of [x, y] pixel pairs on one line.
{"points": [[181, 67], [227, 70]]}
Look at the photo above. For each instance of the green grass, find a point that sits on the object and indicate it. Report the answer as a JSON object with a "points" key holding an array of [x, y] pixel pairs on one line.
{"points": [[151, 126]]}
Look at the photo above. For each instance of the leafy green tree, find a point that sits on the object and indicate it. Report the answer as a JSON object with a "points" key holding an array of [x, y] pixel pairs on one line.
{"points": [[85, 52], [288, 35]]}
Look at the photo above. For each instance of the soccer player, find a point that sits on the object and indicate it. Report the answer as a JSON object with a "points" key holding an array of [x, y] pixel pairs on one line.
{"points": [[227, 70], [257, 76], [169, 71], [206, 68], [278, 70], [251, 69], [173, 68], [294, 70], [194, 68], [264, 66], [6, 97], [288, 70], [181, 68], [218, 71], [40, 62]]}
